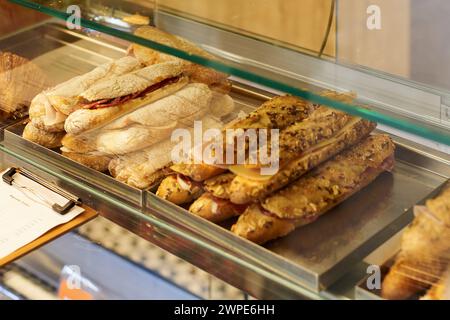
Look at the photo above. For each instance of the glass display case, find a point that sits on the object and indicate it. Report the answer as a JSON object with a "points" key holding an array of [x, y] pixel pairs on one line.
{"points": [[97, 95]]}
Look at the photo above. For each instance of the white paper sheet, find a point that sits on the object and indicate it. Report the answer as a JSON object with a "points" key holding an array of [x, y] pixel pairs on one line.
{"points": [[26, 214]]}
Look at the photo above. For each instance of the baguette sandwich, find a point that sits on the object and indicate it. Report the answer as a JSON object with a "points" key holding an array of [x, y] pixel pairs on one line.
{"points": [[425, 250], [110, 99], [49, 109], [214, 205], [277, 113], [196, 72], [143, 128], [179, 189], [302, 146], [215, 209], [306, 199], [147, 167]]}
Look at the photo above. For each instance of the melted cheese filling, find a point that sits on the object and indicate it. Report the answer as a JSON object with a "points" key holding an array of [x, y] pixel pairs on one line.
{"points": [[253, 173]]}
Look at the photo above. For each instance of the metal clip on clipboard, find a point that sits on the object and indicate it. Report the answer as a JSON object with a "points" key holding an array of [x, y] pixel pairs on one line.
{"points": [[8, 177]]}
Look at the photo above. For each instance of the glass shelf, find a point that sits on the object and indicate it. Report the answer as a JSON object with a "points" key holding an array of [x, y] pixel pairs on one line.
{"points": [[384, 112], [262, 63]]}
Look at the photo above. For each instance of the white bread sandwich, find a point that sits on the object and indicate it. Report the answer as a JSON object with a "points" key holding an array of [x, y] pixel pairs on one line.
{"points": [[147, 167], [108, 100], [143, 127], [49, 109]]}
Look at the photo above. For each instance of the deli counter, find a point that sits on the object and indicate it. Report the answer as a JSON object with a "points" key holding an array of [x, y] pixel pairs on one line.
{"points": [[237, 150]]}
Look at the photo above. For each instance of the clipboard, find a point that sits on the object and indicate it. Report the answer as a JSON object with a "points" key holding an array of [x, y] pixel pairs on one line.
{"points": [[55, 232]]}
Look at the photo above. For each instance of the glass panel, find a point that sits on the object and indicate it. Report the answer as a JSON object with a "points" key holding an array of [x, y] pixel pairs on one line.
{"points": [[105, 129], [404, 106]]}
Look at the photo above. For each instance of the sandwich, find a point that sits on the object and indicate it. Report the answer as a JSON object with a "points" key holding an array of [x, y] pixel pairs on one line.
{"points": [[147, 167], [425, 250], [143, 127], [277, 113], [179, 190], [50, 108], [440, 290], [306, 199], [302, 146], [196, 72], [214, 205], [215, 209], [112, 98]]}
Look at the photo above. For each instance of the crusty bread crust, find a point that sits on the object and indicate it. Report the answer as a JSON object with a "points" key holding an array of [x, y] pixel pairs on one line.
{"points": [[42, 137], [149, 56], [66, 96], [96, 162], [171, 190], [214, 209], [311, 196], [78, 143], [84, 120], [244, 190], [133, 82], [44, 116], [219, 185], [197, 172], [424, 254], [261, 228], [221, 104]]}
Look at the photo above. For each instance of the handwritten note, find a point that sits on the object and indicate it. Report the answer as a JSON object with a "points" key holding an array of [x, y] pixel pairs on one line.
{"points": [[26, 213]]}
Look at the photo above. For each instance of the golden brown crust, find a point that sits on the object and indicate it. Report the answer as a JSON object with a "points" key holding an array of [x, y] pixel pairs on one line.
{"points": [[276, 113], [245, 190], [260, 228], [196, 72], [143, 181], [219, 185], [44, 138], [323, 124], [197, 172], [214, 209], [402, 282], [96, 162], [332, 182], [178, 190], [305, 200], [78, 143], [425, 250]]}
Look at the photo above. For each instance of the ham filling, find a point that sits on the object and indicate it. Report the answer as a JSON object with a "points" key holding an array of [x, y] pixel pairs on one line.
{"points": [[107, 103]]}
